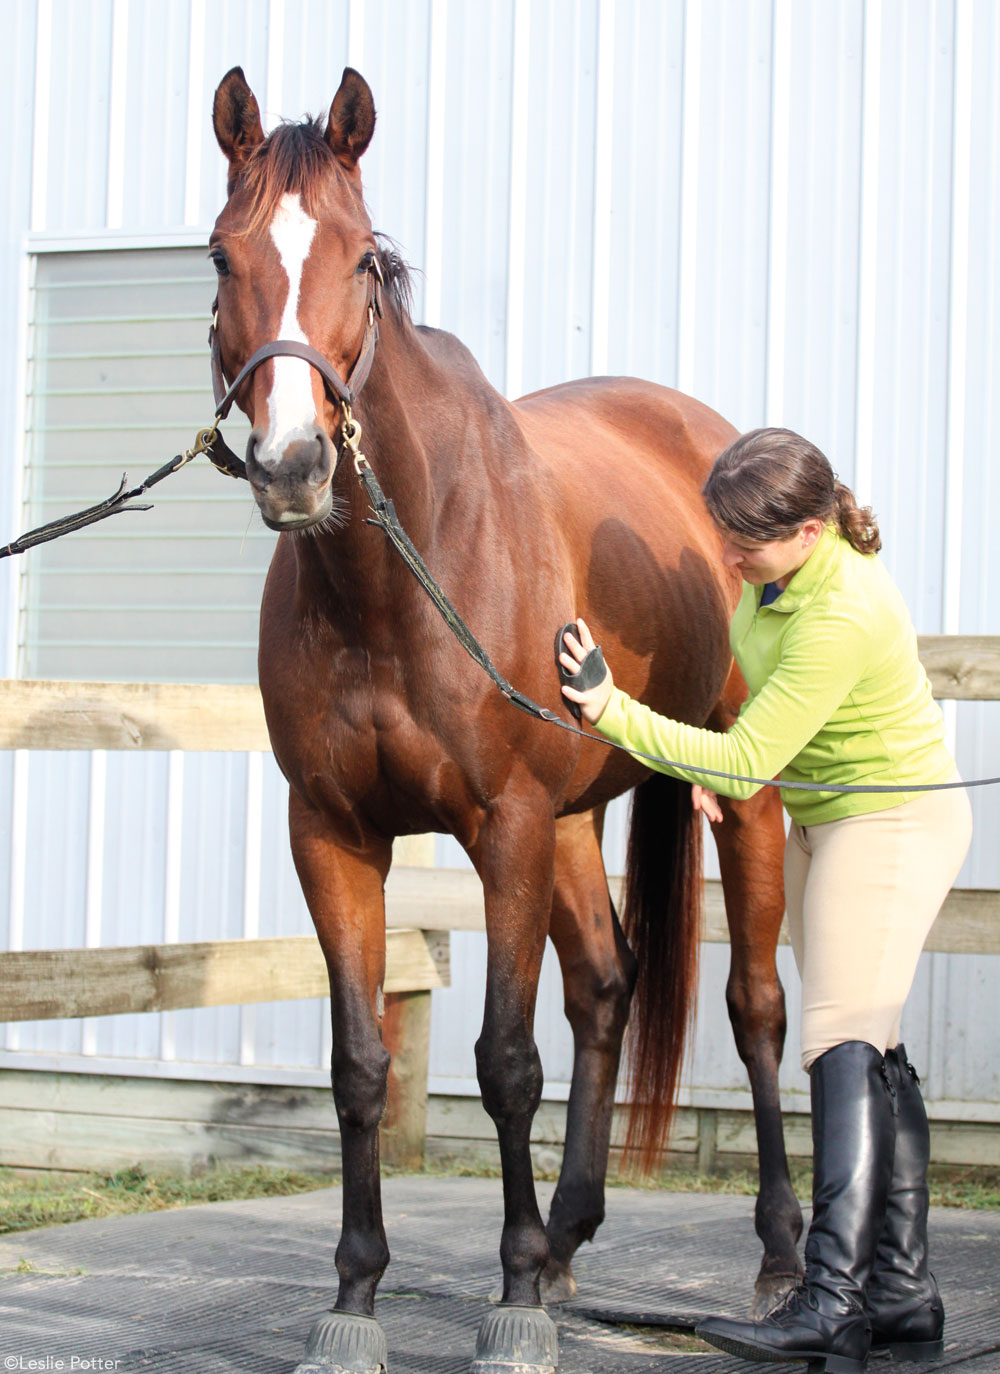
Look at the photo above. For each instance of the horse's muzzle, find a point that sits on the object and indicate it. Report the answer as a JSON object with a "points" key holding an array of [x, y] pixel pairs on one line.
{"points": [[292, 484]]}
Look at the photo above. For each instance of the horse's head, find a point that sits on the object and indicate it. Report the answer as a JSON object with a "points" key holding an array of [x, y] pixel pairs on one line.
{"points": [[296, 260]]}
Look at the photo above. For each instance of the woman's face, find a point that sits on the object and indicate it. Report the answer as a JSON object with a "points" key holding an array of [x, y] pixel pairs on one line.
{"points": [[771, 560]]}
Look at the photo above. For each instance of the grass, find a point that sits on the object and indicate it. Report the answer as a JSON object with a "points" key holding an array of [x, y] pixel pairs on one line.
{"points": [[973, 1186], [29, 1200], [33, 1199]]}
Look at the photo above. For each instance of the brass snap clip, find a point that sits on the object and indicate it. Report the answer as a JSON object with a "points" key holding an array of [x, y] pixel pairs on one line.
{"points": [[350, 433]]}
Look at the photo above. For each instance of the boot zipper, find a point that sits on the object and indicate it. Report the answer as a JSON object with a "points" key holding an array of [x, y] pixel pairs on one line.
{"points": [[891, 1090]]}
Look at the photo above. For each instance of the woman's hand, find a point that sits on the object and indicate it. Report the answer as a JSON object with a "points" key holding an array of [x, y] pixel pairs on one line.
{"points": [[704, 800], [593, 701]]}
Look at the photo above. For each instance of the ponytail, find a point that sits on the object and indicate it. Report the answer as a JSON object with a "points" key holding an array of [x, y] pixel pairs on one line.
{"points": [[856, 523]]}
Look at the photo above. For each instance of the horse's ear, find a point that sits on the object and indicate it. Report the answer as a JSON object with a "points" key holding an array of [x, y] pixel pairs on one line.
{"points": [[236, 119], [352, 120]]}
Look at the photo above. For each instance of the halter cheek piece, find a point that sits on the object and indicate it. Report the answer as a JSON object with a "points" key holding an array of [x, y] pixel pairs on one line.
{"points": [[342, 393]]}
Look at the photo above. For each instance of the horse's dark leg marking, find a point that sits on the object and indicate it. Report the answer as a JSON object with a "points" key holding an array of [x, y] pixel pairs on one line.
{"points": [[514, 857], [750, 843], [598, 975], [344, 893]]}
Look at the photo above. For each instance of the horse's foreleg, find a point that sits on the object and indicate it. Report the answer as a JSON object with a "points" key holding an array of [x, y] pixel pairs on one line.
{"points": [[598, 976], [344, 892], [750, 843], [514, 857]]}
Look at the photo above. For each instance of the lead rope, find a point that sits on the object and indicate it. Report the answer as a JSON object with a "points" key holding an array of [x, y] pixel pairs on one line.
{"points": [[386, 519], [116, 503]]}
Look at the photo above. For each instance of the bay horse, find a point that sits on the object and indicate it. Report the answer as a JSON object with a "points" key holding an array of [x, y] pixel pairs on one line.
{"points": [[581, 498]]}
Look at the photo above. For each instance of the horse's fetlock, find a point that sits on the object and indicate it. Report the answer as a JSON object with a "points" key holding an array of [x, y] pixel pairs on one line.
{"points": [[577, 1211], [361, 1258], [524, 1249], [777, 1213], [579, 1202]]}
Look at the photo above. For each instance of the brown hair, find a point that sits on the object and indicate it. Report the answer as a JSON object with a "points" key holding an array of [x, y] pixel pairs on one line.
{"points": [[294, 159], [769, 482]]}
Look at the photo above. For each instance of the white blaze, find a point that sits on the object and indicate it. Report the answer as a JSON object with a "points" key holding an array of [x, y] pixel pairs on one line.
{"points": [[291, 409]]}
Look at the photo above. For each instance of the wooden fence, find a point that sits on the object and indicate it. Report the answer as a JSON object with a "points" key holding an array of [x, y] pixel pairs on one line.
{"points": [[422, 904]]}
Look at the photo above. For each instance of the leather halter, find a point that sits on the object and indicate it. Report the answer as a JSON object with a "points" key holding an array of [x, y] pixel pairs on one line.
{"points": [[343, 393]]}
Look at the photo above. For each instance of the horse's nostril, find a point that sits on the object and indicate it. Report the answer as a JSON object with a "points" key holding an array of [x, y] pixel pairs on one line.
{"points": [[259, 476], [322, 451]]}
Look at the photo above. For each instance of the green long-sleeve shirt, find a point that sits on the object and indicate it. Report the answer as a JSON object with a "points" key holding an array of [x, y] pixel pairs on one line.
{"points": [[837, 694]]}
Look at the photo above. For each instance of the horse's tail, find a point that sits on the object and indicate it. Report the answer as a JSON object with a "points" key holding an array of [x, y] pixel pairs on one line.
{"points": [[662, 920]]}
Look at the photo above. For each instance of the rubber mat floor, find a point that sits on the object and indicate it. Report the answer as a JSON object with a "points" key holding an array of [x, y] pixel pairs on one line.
{"points": [[233, 1288]]}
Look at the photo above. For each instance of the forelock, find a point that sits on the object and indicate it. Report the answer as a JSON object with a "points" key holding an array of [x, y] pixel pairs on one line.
{"points": [[294, 159]]}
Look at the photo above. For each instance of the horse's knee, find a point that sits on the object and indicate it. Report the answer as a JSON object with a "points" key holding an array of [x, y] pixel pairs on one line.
{"points": [[360, 1083], [510, 1074]]}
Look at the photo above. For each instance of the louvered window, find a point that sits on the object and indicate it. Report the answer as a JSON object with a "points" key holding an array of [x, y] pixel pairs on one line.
{"points": [[118, 381]]}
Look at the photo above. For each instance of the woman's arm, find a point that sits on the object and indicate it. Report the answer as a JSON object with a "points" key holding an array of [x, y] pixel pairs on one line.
{"points": [[822, 660]]}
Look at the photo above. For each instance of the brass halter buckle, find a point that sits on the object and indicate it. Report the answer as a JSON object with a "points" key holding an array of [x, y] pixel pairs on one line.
{"points": [[350, 435]]}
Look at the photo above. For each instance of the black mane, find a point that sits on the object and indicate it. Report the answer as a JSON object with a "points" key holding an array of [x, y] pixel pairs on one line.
{"points": [[397, 273]]}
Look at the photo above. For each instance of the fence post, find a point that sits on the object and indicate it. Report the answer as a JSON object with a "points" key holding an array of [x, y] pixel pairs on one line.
{"points": [[406, 1034]]}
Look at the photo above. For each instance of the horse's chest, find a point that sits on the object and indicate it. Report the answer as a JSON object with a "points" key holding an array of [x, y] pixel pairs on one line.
{"points": [[362, 745]]}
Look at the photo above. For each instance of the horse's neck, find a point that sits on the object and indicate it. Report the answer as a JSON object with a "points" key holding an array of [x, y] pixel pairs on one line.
{"points": [[406, 385], [423, 413]]}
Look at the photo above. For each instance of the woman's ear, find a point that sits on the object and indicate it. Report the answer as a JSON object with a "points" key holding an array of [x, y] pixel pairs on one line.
{"points": [[810, 532]]}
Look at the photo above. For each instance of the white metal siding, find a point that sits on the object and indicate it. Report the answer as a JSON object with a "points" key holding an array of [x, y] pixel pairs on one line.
{"points": [[787, 207], [815, 226], [17, 71], [645, 154]]}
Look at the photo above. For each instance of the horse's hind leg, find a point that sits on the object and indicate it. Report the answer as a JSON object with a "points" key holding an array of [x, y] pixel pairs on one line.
{"points": [[344, 892], [598, 975], [750, 842]]}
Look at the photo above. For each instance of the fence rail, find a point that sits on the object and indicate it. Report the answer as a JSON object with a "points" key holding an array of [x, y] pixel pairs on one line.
{"points": [[156, 715], [53, 984]]}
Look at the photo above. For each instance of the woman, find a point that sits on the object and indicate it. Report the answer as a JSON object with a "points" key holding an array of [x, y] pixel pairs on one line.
{"points": [[837, 694]]}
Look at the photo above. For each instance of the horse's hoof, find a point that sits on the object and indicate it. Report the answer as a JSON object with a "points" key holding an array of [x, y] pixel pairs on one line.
{"points": [[516, 1340], [558, 1284], [770, 1291], [345, 1343]]}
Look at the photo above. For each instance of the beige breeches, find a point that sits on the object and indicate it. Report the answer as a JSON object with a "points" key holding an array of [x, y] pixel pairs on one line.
{"points": [[861, 896]]}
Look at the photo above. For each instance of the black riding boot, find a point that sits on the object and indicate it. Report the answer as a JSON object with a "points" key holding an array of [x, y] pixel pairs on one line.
{"points": [[903, 1301], [824, 1319]]}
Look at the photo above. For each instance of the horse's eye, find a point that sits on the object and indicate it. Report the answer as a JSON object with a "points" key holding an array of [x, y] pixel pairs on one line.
{"points": [[366, 264], [220, 261]]}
